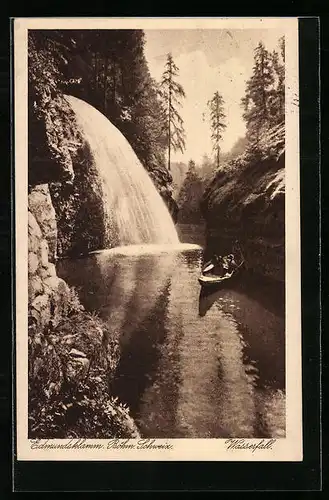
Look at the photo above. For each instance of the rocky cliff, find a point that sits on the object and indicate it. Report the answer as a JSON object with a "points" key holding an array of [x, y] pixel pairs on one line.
{"points": [[246, 201], [48, 295], [162, 179]]}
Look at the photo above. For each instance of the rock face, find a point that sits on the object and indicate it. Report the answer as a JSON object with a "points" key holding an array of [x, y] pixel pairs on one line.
{"points": [[48, 294], [60, 168], [42, 209], [246, 202], [162, 180], [54, 139], [79, 209]]}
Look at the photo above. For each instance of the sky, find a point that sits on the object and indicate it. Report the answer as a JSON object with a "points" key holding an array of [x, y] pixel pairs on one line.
{"points": [[208, 60]]}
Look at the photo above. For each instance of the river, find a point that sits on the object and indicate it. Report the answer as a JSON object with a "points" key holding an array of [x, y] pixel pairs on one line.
{"points": [[193, 364]]}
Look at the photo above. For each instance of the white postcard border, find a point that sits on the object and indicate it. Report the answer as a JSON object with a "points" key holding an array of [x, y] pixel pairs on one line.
{"points": [[285, 449]]}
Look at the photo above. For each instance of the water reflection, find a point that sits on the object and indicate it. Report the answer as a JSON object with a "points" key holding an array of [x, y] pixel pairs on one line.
{"points": [[122, 289], [193, 364], [261, 329]]}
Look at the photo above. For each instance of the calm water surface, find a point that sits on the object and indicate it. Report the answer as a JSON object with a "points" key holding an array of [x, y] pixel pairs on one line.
{"points": [[193, 364]]}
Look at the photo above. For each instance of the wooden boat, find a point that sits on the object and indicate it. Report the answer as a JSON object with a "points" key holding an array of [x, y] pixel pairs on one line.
{"points": [[209, 278]]}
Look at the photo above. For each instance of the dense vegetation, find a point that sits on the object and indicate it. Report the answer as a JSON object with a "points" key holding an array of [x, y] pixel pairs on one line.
{"points": [[264, 102], [70, 368], [108, 69]]}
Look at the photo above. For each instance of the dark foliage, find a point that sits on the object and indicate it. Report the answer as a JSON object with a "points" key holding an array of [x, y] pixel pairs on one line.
{"points": [[264, 102], [70, 367]]}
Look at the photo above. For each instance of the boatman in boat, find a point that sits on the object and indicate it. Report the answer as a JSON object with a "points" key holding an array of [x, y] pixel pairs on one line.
{"points": [[223, 265], [229, 264], [219, 267]]}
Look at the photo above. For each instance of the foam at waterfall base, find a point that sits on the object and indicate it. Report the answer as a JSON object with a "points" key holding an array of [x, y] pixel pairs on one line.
{"points": [[149, 249]]}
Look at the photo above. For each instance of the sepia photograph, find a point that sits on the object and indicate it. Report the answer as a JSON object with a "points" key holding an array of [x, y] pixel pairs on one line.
{"points": [[157, 239]]}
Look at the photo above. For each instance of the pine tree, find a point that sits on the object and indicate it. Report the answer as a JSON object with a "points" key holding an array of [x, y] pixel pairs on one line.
{"points": [[217, 122], [172, 92], [278, 97], [259, 93]]}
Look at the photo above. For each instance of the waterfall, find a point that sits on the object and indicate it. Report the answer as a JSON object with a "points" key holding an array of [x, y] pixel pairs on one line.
{"points": [[133, 207]]}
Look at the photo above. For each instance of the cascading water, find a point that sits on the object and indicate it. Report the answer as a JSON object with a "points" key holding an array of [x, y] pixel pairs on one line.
{"points": [[131, 202]]}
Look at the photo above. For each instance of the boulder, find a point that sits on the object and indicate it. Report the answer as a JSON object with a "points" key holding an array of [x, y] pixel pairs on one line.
{"points": [[46, 272], [41, 310], [33, 263], [33, 226], [35, 287], [40, 204], [44, 254]]}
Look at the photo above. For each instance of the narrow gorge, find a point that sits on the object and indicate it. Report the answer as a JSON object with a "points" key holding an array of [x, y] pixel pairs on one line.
{"points": [[245, 201], [123, 340]]}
